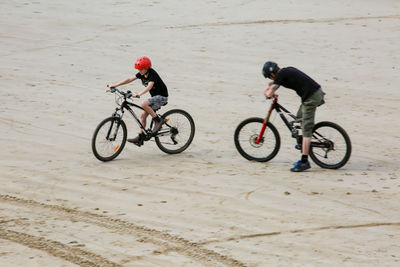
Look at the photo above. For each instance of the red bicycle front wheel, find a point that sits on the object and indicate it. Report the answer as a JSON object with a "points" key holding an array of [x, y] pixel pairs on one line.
{"points": [[246, 135]]}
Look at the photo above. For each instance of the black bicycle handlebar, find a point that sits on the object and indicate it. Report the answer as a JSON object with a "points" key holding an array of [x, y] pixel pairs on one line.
{"points": [[128, 93]]}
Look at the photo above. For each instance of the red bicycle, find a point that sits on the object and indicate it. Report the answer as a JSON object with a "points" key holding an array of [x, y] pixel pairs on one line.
{"points": [[258, 139]]}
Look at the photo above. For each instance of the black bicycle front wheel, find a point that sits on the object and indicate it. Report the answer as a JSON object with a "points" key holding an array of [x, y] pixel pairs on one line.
{"points": [[177, 132], [247, 133], [109, 139], [330, 145]]}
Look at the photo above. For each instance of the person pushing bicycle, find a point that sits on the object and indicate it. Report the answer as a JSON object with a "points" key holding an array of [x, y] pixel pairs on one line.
{"points": [[311, 95], [158, 91]]}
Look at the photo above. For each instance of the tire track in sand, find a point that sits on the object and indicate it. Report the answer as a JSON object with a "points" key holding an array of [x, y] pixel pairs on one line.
{"points": [[72, 254], [165, 241], [306, 230], [284, 21]]}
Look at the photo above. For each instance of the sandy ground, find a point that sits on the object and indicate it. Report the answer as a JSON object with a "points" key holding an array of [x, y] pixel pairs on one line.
{"points": [[208, 206]]}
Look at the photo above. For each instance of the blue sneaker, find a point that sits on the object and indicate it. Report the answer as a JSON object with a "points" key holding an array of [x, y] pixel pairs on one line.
{"points": [[300, 166]]}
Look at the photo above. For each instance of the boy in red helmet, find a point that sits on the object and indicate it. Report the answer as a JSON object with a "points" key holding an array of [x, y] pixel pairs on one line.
{"points": [[158, 91]]}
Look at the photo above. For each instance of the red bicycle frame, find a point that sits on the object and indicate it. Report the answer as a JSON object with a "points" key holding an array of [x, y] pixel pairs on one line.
{"points": [[279, 109]]}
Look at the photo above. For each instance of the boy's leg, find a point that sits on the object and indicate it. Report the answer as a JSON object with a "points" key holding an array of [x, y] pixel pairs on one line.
{"points": [[138, 140], [154, 103], [143, 119], [147, 108]]}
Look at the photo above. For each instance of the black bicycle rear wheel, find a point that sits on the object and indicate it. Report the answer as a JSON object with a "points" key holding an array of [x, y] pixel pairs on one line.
{"points": [[246, 135], [330, 145], [177, 132], [109, 139]]}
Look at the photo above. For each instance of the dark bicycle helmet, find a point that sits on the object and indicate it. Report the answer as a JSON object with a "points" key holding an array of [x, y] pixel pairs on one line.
{"points": [[268, 68]]}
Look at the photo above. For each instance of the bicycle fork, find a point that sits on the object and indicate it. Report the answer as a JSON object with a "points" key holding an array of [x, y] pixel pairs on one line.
{"points": [[111, 136], [266, 120]]}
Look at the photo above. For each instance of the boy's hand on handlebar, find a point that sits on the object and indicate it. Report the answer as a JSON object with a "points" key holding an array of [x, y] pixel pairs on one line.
{"points": [[135, 95], [112, 88]]}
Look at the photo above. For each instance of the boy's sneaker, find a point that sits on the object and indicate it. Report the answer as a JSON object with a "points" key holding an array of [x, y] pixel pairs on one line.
{"points": [[300, 166], [158, 122], [138, 140]]}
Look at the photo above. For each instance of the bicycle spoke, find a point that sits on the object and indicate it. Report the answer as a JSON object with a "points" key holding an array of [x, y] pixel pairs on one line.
{"points": [[177, 133], [330, 147], [107, 149], [247, 135]]}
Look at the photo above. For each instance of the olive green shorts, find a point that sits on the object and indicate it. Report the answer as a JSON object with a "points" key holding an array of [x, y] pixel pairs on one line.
{"points": [[307, 112]]}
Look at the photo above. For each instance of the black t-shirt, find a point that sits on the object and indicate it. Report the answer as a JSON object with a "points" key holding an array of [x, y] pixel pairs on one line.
{"points": [[159, 88], [297, 80]]}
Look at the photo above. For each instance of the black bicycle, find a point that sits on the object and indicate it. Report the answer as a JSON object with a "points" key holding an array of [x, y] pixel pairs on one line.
{"points": [[258, 139], [109, 138]]}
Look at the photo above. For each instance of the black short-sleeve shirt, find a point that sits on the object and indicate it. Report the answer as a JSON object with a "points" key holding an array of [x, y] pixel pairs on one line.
{"points": [[159, 87], [297, 80]]}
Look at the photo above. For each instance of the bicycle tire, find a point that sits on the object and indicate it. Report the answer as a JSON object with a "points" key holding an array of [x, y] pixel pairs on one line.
{"points": [[173, 136], [244, 146], [115, 146], [329, 137]]}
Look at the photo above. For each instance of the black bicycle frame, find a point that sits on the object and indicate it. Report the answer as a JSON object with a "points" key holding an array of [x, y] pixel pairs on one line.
{"points": [[279, 108], [321, 142], [126, 105]]}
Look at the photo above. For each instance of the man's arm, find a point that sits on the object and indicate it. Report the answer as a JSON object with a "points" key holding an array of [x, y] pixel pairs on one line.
{"points": [[270, 90]]}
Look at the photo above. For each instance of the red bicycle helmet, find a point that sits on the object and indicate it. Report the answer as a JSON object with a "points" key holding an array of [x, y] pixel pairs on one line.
{"points": [[143, 63]]}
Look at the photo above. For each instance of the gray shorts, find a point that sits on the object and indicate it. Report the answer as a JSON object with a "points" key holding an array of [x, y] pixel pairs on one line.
{"points": [[157, 101]]}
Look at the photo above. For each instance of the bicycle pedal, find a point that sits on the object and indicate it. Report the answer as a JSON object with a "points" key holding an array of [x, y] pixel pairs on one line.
{"points": [[148, 137], [139, 143]]}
